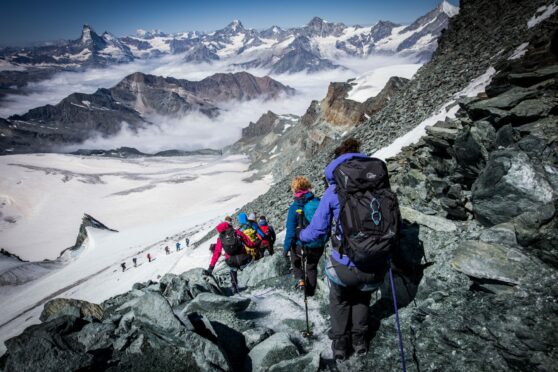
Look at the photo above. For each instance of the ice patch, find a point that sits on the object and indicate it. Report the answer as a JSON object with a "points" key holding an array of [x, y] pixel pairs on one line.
{"points": [[370, 84], [544, 12], [519, 51]]}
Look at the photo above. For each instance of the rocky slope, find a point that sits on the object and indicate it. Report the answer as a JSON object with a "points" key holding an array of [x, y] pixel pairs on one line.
{"points": [[133, 101], [479, 201], [277, 144]]}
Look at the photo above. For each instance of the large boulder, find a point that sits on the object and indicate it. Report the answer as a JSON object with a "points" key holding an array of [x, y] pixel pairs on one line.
{"points": [[472, 146], [267, 268], [491, 262], [254, 336], [433, 222], [214, 302], [154, 310], [49, 347], [273, 350], [510, 185], [64, 306]]}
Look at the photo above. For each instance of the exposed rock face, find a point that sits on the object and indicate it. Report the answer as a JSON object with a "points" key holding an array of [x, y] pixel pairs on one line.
{"points": [[263, 126], [88, 221], [80, 309], [133, 101], [277, 143]]}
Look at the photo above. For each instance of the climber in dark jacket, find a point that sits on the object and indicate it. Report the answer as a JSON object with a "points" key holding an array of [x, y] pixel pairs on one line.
{"points": [[301, 189], [351, 287]]}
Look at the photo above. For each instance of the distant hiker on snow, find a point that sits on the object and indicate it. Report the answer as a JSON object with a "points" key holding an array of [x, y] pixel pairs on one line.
{"points": [[177, 246], [268, 237], [167, 250], [135, 261], [234, 243], [187, 242], [361, 202], [123, 266], [149, 257], [300, 213]]}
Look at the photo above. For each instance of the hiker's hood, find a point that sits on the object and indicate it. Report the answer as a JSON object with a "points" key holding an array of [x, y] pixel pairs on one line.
{"points": [[222, 226], [337, 162], [300, 193], [242, 218]]}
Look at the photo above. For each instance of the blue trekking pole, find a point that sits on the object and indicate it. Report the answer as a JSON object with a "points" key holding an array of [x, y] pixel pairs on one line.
{"points": [[397, 320]]}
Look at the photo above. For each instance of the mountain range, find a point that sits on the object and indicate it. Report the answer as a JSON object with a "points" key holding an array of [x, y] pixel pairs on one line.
{"points": [[312, 47], [133, 101]]}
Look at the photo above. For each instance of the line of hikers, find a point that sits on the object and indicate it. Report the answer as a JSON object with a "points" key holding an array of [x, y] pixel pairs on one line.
{"points": [[150, 256], [359, 213]]}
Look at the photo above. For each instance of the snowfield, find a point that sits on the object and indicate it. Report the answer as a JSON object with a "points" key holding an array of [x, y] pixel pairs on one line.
{"points": [[152, 202], [371, 83]]}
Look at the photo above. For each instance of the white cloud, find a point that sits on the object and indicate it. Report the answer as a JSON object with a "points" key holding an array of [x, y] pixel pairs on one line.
{"points": [[193, 130]]}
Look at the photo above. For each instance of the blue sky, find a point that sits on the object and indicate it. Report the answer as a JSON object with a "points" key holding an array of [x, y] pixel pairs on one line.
{"points": [[25, 21]]}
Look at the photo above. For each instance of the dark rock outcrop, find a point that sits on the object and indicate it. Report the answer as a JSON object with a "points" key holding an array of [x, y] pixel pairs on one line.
{"points": [[263, 126]]}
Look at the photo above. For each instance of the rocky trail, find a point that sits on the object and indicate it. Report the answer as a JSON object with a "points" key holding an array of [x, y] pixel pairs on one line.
{"points": [[476, 274]]}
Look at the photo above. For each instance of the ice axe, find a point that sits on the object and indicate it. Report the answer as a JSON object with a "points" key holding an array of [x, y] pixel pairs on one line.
{"points": [[300, 225]]}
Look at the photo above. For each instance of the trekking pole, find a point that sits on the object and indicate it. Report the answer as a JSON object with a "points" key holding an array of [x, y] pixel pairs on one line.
{"points": [[300, 224], [401, 350]]}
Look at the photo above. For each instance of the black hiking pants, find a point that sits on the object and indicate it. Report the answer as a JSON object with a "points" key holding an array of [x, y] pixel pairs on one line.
{"points": [[349, 303], [312, 258]]}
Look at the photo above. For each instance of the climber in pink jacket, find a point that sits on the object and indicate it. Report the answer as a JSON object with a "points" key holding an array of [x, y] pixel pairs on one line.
{"points": [[233, 242]]}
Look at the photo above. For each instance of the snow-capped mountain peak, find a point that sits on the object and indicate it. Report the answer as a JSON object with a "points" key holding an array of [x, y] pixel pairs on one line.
{"points": [[235, 26], [86, 34], [449, 9]]}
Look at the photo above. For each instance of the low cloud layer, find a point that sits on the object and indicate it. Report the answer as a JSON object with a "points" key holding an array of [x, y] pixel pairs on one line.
{"points": [[193, 131]]}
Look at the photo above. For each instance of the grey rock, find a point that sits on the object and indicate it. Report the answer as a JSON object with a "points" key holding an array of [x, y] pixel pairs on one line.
{"points": [[95, 336], [510, 184], [502, 234], [267, 268], [433, 222], [78, 308], [306, 363], [153, 309], [254, 336], [177, 290], [490, 261], [271, 351], [214, 302]]}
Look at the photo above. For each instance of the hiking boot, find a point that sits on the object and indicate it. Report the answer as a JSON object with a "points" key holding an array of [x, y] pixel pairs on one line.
{"points": [[359, 345], [339, 348], [300, 285]]}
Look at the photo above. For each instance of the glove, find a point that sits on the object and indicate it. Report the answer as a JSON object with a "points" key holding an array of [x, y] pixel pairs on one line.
{"points": [[209, 271]]}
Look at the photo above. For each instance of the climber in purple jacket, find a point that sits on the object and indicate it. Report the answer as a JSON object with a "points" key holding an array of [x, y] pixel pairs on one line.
{"points": [[351, 287]]}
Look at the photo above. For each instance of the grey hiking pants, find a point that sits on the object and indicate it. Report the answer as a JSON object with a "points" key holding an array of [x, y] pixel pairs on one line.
{"points": [[348, 302]]}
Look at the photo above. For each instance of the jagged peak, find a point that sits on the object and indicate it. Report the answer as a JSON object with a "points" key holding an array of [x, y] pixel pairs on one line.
{"points": [[86, 33], [316, 21], [449, 9], [235, 25]]}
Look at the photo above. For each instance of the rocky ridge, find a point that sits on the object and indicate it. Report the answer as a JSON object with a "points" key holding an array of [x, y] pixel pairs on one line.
{"points": [[276, 144], [134, 100]]}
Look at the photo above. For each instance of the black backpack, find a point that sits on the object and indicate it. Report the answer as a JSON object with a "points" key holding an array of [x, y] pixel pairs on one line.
{"points": [[369, 211], [231, 242]]}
